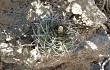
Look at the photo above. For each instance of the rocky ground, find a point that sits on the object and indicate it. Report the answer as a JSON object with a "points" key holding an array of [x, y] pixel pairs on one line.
{"points": [[54, 35]]}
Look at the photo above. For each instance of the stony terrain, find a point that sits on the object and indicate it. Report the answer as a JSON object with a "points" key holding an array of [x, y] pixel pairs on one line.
{"points": [[54, 35]]}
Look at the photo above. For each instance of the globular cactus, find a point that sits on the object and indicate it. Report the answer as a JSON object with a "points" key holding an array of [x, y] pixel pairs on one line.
{"points": [[54, 37]]}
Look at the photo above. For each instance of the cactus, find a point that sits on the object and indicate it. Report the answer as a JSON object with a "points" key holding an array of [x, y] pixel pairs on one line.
{"points": [[53, 37]]}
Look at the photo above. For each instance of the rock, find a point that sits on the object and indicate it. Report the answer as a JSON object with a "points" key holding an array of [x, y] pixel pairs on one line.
{"points": [[1, 65], [101, 43], [76, 9]]}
